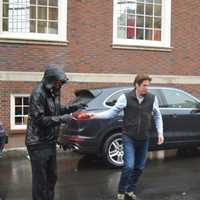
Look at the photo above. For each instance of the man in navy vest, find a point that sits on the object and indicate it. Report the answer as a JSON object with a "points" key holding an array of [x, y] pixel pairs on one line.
{"points": [[139, 107]]}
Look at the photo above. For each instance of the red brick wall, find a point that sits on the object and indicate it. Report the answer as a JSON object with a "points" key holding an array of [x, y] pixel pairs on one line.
{"points": [[90, 40], [90, 50]]}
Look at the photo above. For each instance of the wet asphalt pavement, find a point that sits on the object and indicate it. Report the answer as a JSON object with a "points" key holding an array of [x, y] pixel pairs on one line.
{"points": [[81, 178]]}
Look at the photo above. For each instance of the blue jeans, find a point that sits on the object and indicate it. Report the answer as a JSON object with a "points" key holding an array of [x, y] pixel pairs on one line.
{"points": [[135, 155]]}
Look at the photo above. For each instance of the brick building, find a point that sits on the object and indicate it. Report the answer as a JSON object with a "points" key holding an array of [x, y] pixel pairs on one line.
{"points": [[98, 43]]}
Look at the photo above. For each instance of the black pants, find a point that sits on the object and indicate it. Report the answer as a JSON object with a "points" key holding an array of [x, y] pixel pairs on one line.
{"points": [[2, 142], [44, 173]]}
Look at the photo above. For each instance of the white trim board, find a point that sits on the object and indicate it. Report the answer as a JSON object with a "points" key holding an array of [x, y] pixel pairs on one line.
{"points": [[99, 77], [61, 36], [165, 41]]}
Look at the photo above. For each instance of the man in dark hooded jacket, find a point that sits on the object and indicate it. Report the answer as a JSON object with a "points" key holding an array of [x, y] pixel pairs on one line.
{"points": [[45, 116]]}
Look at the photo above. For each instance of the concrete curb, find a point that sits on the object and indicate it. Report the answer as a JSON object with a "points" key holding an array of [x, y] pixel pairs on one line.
{"points": [[160, 155]]}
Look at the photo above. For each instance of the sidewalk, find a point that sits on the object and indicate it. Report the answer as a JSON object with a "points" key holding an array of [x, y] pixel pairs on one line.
{"points": [[83, 178], [17, 142]]}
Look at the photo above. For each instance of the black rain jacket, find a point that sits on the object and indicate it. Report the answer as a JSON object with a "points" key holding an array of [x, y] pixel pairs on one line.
{"points": [[45, 111]]}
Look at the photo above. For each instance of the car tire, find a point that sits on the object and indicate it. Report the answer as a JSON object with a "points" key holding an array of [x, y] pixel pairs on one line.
{"points": [[113, 151]]}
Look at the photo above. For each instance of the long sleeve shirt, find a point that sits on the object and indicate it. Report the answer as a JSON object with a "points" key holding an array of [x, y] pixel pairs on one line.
{"points": [[122, 103]]}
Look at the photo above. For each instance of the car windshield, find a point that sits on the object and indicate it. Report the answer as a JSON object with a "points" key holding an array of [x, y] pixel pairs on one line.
{"points": [[113, 98]]}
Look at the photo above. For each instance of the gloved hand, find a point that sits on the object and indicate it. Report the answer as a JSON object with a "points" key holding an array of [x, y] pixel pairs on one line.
{"points": [[74, 108], [66, 118]]}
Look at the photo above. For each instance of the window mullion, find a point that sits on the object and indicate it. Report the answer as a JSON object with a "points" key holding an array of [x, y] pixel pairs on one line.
{"points": [[153, 28], [136, 11], [47, 16], [22, 111], [1, 16], [144, 25], [36, 20], [135, 24]]}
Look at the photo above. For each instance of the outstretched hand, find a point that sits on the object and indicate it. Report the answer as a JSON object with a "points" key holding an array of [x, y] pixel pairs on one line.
{"points": [[83, 115], [160, 140]]}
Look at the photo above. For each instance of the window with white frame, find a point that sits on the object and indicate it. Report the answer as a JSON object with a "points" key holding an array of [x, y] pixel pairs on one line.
{"points": [[142, 23], [33, 19], [19, 111]]}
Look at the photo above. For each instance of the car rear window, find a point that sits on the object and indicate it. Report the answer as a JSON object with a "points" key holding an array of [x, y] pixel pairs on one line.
{"points": [[85, 96], [113, 98]]}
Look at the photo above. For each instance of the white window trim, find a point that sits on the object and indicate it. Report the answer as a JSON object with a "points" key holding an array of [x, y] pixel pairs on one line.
{"points": [[12, 112], [62, 27], [165, 35]]}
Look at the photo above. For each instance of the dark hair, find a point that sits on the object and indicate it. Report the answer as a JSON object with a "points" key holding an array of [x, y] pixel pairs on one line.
{"points": [[140, 78]]}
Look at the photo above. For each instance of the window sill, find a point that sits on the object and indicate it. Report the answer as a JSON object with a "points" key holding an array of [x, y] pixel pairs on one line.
{"points": [[35, 42], [17, 131], [143, 48]]}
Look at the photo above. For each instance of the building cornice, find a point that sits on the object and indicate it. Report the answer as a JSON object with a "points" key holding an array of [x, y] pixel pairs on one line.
{"points": [[98, 77]]}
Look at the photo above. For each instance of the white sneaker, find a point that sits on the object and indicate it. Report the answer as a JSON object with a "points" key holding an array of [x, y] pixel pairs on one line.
{"points": [[130, 196], [120, 196]]}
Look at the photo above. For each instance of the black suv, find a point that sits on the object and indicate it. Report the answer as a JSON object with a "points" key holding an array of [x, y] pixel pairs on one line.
{"points": [[102, 137]]}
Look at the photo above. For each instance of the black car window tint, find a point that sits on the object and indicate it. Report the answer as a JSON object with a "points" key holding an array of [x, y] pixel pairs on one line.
{"points": [[178, 99], [82, 96], [113, 98], [158, 95]]}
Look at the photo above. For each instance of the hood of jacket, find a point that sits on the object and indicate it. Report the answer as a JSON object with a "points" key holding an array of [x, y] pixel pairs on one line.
{"points": [[53, 73]]}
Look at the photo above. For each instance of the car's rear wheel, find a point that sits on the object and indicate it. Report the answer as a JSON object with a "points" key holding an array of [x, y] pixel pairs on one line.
{"points": [[113, 150]]}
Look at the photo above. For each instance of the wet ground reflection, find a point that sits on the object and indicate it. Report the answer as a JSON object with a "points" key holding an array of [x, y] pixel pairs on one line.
{"points": [[85, 178]]}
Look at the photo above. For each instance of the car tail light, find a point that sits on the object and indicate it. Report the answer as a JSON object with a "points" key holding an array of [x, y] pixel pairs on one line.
{"points": [[81, 115], [74, 138]]}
